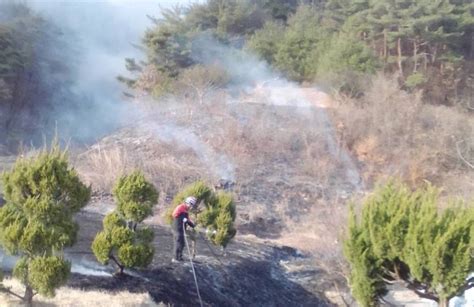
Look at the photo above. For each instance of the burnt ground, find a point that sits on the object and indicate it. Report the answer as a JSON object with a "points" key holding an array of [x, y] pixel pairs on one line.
{"points": [[249, 274], [284, 171]]}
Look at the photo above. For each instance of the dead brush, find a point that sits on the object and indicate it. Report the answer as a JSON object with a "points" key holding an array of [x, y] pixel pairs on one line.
{"points": [[102, 166], [68, 296], [171, 174], [317, 162], [320, 232], [395, 133]]}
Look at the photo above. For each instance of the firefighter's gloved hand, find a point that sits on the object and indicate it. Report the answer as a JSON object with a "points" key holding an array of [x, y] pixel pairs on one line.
{"points": [[185, 220]]}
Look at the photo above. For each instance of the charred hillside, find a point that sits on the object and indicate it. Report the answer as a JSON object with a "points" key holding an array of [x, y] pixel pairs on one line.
{"points": [[249, 274]]}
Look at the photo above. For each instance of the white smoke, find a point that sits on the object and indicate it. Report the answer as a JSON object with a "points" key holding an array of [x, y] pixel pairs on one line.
{"points": [[106, 32], [250, 74], [219, 164], [265, 86], [100, 35]]}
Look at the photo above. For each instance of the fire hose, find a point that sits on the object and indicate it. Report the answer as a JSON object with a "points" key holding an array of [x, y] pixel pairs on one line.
{"points": [[227, 274], [211, 249], [192, 264]]}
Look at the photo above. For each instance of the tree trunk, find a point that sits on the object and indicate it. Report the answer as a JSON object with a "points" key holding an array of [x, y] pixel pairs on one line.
{"points": [[8, 291], [415, 56], [443, 302], [14, 103], [434, 55], [397, 271], [472, 46], [385, 45], [399, 49], [120, 266], [28, 298], [201, 98]]}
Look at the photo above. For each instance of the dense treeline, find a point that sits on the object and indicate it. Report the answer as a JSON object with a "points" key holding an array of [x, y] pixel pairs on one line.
{"points": [[430, 44], [413, 38], [34, 70]]}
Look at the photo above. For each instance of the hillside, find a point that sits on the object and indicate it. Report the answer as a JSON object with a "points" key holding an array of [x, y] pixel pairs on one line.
{"points": [[250, 273], [342, 131]]}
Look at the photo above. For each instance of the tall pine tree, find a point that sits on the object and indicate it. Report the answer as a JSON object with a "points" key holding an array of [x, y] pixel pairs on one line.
{"points": [[42, 195]]}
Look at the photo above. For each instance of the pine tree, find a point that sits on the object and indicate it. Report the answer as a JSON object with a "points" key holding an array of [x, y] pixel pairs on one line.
{"points": [[266, 41], [34, 69], [218, 217], [168, 44], [299, 43], [364, 278], [217, 213], [198, 189], [465, 10], [344, 62], [338, 12], [386, 219], [450, 259], [238, 18], [419, 238], [403, 232], [42, 195], [12, 61], [121, 240], [279, 10]]}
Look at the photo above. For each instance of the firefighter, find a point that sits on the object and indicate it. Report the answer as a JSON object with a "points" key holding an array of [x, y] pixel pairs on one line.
{"points": [[180, 221]]}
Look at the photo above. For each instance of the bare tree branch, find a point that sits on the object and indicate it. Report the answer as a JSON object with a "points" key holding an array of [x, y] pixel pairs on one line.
{"points": [[7, 290], [461, 156], [469, 106], [387, 281], [422, 291], [468, 285], [341, 295], [121, 267]]}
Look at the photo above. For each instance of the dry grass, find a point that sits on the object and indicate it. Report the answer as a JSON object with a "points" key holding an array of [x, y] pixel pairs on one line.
{"points": [[76, 298], [286, 172], [107, 160], [103, 166], [395, 133], [278, 153], [319, 232]]}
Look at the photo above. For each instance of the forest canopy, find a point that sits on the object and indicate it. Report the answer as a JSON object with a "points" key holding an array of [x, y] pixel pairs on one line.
{"points": [[429, 44]]}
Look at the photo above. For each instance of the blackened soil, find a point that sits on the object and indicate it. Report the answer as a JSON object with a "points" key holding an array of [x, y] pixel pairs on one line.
{"points": [[249, 274]]}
